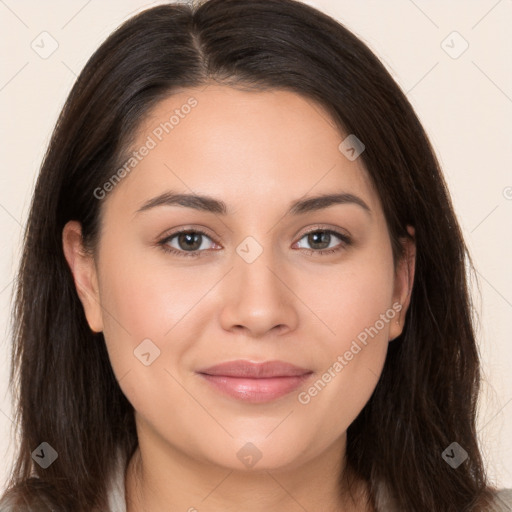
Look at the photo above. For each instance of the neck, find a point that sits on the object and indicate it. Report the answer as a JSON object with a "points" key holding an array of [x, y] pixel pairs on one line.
{"points": [[175, 481]]}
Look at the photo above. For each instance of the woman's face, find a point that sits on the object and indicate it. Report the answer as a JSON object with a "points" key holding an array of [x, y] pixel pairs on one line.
{"points": [[254, 287]]}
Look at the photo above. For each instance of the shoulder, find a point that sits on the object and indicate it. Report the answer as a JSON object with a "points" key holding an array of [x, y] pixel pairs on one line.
{"points": [[116, 486], [36, 495], [502, 501], [28, 495]]}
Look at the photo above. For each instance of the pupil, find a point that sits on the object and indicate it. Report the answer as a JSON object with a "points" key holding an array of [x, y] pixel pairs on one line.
{"points": [[191, 240], [321, 237]]}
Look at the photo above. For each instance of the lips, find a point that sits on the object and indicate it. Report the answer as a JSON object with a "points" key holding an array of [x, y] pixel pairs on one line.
{"points": [[252, 370], [255, 382]]}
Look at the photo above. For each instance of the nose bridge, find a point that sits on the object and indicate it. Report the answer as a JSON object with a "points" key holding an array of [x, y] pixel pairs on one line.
{"points": [[254, 267], [254, 264], [257, 297]]}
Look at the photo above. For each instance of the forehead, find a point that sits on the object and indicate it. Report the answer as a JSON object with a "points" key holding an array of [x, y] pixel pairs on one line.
{"points": [[251, 148]]}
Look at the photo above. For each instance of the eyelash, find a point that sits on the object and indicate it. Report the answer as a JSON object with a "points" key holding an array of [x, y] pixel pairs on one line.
{"points": [[345, 241]]}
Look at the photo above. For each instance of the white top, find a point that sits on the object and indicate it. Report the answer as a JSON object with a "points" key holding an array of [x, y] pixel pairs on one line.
{"points": [[116, 493], [117, 498]]}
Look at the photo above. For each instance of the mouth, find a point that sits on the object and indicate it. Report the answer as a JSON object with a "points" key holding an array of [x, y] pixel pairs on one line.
{"points": [[255, 382]]}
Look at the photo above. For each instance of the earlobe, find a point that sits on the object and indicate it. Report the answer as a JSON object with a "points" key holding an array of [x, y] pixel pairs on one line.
{"points": [[404, 280], [84, 274]]}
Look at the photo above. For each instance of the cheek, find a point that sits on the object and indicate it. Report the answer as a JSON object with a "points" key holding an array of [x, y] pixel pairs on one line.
{"points": [[146, 311], [354, 303], [144, 307], [145, 295], [351, 297]]}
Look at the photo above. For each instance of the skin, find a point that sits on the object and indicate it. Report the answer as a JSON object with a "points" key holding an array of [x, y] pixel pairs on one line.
{"points": [[258, 152]]}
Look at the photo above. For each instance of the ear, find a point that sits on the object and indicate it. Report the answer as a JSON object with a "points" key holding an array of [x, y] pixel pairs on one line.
{"points": [[404, 279], [83, 268]]}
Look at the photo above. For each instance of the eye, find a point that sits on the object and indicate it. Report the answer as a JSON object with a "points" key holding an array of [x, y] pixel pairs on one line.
{"points": [[189, 242], [320, 240]]}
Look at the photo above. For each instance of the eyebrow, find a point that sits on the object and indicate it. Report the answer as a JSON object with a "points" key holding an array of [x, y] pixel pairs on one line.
{"points": [[219, 207]]}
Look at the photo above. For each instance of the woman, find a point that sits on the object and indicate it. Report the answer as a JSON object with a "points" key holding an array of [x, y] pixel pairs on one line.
{"points": [[188, 343]]}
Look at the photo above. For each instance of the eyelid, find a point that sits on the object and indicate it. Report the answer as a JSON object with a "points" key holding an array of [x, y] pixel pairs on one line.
{"points": [[326, 227], [169, 234], [342, 234]]}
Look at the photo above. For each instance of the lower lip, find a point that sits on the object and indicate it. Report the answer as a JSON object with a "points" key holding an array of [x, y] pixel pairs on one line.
{"points": [[255, 390]]}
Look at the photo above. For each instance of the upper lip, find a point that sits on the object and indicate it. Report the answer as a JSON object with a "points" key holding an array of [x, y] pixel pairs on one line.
{"points": [[255, 370]]}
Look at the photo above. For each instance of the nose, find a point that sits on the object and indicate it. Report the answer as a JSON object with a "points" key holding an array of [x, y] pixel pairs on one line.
{"points": [[257, 297]]}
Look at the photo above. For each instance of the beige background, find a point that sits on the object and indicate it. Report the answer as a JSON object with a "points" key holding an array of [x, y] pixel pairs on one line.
{"points": [[465, 104]]}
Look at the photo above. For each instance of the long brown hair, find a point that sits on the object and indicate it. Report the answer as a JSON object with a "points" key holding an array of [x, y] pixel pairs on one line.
{"points": [[66, 393]]}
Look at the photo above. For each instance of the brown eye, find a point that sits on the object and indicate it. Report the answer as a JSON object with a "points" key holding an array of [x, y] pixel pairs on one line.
{"points": [[188, 242], [321, 240]]}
